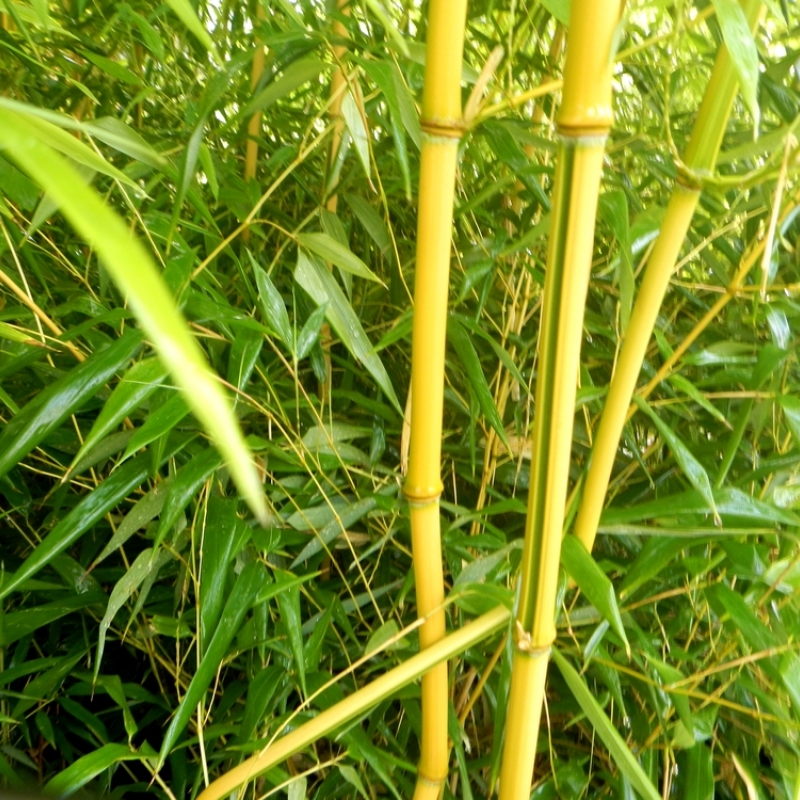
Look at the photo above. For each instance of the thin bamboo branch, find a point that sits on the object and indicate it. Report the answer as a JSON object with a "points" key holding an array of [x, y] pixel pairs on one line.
{"points": [[357, 703], [583, 120], [701, 155]]}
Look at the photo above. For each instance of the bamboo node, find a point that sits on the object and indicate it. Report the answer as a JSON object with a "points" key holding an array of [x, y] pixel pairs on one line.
{"points": [[418, 496], [525, 646], [436, 783], [443, 128]]}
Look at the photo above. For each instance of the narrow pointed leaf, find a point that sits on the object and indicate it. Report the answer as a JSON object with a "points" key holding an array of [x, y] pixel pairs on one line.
{"points": [[593, 582], [239, 603], [138, 383], [623, 757], [315, 279], [132, 268], [690, 466], [337, 254], [55, 403], [272, 306], [184, 11], [88, 767]]}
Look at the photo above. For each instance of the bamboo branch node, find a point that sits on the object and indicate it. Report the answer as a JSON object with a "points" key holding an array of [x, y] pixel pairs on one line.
{"points": [[524, 644], [443, 128]]}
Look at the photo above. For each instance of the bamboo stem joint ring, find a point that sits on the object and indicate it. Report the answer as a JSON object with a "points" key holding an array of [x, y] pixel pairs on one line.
{"points": [[443, 128]]}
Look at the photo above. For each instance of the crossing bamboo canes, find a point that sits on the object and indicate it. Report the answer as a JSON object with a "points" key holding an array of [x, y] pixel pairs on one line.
{"points": [[357, 703], [700, 157], [442, 127], [584, 120]]}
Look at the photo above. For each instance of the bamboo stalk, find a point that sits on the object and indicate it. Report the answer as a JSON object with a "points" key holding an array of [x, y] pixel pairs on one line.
{"points": [[442, 128], [254, 124], [357, 703], [701, 155], [583, 121]]}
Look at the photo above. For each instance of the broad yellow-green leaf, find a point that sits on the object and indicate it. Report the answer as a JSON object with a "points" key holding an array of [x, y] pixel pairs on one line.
{"points": [[322, 286], [328, 248], [742, 49], [184, 11], [132, 268]]}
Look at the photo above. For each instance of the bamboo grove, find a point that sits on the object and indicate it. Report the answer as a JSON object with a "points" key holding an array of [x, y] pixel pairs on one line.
{"points": [[400, 399]]}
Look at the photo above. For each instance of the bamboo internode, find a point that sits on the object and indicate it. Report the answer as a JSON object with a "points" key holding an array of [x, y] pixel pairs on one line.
{"points": [[442, 127], [701, 156], [583, 121]]}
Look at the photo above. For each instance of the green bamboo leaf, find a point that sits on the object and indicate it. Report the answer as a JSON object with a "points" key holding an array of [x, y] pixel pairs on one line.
{"points": [[743, 52], [147, 562], [17, 624], [113, 687], [272, 306], [594, 583], [357, 128], [690, 390], [112, 68], [392, 32], [238, 604], [790, 405], [88, 767], [318, 282], [477, 380], [696, 773], [186, 14], [289, 608], [293, 77], [54, 404], [670, 674], [337, 254], [623, 757], [145, 509], [310, 331], [138, 383], [134, 271], [371, 220], [336, 527], [260, 692], [159, 422], [652, 558], [222, 539], [383, 73], [115, 133], [729, 501], [690, 466], [185, 485], [93, 507], [30, 123]]}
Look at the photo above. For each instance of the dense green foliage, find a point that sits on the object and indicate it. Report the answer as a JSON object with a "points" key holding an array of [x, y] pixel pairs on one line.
{"points": [[144, 609]]}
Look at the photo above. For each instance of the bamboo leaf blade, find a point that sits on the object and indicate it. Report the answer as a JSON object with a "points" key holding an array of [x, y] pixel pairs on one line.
{"points": [[55, 403], [138, 383], [133, 270], [594, 583], [623, 757], [690, 466], [317, 281], [239, 602]]}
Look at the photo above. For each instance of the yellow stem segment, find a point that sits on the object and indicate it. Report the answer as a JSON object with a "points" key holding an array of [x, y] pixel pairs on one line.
{"points": [[442, 127], [357, 703], [701, 156], [583, 120]]}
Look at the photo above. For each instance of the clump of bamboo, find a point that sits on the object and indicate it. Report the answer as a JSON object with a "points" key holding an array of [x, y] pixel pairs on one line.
{"points": [[442, 127], [700, 158], [583, 122]]}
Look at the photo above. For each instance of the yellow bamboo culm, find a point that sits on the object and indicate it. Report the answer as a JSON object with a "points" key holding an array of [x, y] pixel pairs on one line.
{"points": [[584, 120], [442, 127], [701, 156]]}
